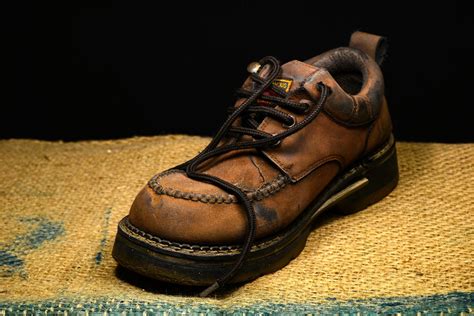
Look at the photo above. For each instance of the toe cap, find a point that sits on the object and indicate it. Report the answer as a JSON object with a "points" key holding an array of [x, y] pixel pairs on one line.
{"points": [[211, 216]]}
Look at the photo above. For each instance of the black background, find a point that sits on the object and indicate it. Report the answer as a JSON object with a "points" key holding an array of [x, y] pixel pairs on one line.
{"points": [[100, 70]]}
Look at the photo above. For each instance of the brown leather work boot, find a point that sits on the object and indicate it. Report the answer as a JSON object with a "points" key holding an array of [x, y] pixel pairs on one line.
{"points": [[303, 138]]}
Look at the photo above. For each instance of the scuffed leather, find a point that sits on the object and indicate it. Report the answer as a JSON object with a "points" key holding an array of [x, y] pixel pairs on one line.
{"points": [[366, 104], [196, 222], [373, 45], [349, 128]]}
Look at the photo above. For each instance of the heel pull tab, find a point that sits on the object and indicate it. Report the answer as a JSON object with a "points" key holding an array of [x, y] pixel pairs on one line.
{"points": [[373, 45]]}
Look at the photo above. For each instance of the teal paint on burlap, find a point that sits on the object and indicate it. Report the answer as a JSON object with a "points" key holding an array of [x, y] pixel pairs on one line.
{"points": [[40, 230], [451, 303], [105, 231]]}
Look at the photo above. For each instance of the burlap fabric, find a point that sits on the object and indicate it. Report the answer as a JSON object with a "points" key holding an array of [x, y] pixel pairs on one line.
{"points": [[61, 202]]}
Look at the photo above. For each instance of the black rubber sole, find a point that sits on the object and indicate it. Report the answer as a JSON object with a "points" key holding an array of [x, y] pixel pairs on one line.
{"points": [[362, 185]]}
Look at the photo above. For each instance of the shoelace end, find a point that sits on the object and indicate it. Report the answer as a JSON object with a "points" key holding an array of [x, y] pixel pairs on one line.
{"points": [[209, 290]]}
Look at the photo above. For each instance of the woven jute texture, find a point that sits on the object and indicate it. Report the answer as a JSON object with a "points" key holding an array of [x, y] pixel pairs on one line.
{"points": [[61, 202]]}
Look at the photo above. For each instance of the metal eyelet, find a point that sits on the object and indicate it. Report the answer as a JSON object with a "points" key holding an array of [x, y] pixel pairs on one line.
{"points": [[254, 67], [277, 143], [320, 86], [307, 103], [292, 123]]}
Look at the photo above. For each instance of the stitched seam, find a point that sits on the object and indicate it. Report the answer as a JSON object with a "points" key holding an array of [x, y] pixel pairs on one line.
{"points": [[222, 249], [269, 188], [265, 190], [319, 163], [280, 164], [309, 169], [184, 247]]}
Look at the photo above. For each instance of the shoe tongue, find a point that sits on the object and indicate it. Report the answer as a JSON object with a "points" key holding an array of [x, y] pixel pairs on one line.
{"points": [[293, 74]]}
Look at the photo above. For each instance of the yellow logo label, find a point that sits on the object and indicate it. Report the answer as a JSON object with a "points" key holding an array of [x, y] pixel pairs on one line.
{"points": [[284, 84]]}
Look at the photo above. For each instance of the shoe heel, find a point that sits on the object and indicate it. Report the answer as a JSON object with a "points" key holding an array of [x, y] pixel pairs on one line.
{"points": [[382, 175]]}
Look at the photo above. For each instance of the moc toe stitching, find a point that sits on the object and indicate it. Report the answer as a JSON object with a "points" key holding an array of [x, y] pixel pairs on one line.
{"points": [[265, 190]]}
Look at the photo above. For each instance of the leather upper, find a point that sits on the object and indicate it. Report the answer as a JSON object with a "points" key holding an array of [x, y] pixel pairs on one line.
{"points": [[283, 180]]}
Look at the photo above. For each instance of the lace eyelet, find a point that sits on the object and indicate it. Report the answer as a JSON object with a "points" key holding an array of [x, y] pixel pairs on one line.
{"points": [[308, 105], [276, 144], [320, 86], [292, 123], [254, 67]]}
